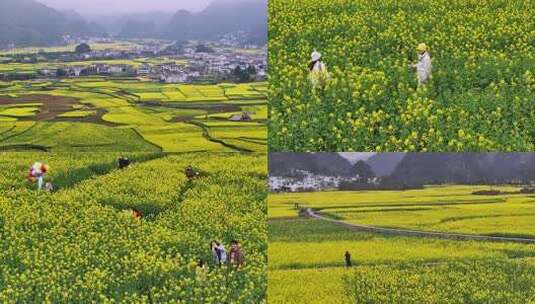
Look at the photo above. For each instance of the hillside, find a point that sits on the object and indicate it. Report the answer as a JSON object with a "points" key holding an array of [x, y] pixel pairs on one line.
{"points": [[284, 164], [425, 168], [384, 164], [27, 22], [219, 18]]}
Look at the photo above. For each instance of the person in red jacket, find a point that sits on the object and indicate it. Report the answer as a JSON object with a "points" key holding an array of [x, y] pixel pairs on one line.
{"points": [[136, 214], [236, 255]]}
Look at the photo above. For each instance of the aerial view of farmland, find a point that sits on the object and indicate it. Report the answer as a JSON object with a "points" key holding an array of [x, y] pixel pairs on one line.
{"points": [[401, 75], [136, 91], [93, 231], [385, 228]]}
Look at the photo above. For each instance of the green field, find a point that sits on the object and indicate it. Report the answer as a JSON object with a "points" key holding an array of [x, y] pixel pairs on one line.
{"points": [[150, 115], [306, 256], [80, 243]]}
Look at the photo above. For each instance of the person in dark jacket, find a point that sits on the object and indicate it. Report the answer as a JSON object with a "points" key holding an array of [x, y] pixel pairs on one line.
{"points": [[348, 259], [123, 162]]}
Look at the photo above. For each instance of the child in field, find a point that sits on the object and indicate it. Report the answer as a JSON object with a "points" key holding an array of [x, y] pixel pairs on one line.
{"points": [[236, 255], [423, 66], [318, 71], [49, 187], [201, 270]]}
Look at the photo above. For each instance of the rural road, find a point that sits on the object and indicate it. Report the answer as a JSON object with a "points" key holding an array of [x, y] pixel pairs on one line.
{"points": [[404, 232]]}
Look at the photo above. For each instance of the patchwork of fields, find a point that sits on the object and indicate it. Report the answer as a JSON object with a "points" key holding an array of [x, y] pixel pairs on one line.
{"points": [[306, 256], [131, 115], [81, 243]]}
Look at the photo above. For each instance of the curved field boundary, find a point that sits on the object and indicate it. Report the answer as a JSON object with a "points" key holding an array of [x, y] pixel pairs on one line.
{"points": [[69, 179], [24, 147], [417, 233], [206, 134], [146, 140], [19, 133]]}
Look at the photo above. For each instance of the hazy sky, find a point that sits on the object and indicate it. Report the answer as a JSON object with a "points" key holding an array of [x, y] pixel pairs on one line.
{"points": [[105, 7], [354, 156]]}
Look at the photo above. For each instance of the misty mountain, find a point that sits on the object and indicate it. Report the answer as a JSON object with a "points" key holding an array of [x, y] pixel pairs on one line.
{"points": [[285, 164], [138, 29], [27, 22], [220, 17], [437, 168], [139, 25], [383, 164]]}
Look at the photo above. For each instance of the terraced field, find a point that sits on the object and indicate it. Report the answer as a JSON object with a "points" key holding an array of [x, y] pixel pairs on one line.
{"points": [[307, 255], [142, 115], [81, 243]]}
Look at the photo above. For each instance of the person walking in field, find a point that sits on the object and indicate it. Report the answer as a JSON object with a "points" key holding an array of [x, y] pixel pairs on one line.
{"points": [[37, 173], [219, 252], [424, 66], [318, 71], [236, 255], [348, 259]]}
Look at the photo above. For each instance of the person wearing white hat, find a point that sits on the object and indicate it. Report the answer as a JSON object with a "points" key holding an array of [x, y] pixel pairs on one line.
{"points": [[423, 66], [38, 171], [318, 70]]}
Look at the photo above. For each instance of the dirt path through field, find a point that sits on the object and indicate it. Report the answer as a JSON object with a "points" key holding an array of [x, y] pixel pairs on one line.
{"points": [[416, 233], [53, 106]]}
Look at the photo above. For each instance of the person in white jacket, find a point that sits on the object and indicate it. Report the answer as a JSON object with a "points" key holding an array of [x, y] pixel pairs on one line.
{"points": [[318, 70], [219, 253], [424, 66]]}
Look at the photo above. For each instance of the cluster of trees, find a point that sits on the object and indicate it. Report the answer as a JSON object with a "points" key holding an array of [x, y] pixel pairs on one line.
{"points": [[244, 74]]}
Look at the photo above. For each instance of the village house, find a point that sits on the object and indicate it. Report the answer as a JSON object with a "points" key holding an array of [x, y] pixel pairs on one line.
{"points": [[144, 70]]}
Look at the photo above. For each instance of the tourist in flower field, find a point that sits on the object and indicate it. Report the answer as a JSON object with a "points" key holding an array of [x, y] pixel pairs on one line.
{"points": [[219, 252], [348, 259], [37, 173], [423, 66], [136, 214], [191, 173], [123, 162], [318, 70], [236, 255]]}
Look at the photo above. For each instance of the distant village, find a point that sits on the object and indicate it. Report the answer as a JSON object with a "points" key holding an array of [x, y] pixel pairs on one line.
{"points": [[304, 181], [225, 59]]}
